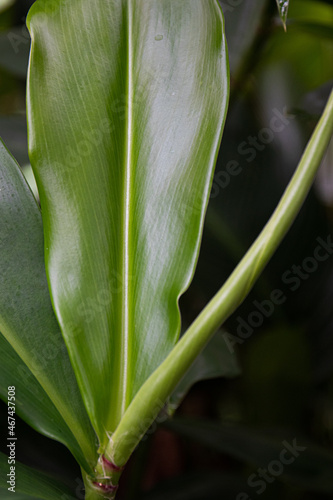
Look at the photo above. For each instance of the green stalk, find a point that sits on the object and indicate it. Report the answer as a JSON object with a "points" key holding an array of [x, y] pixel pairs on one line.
{"points": [[155, 391]]}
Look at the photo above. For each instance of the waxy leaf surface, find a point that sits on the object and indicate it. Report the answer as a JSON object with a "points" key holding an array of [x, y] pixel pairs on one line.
{"points": [[126, 104], [27, 320]]}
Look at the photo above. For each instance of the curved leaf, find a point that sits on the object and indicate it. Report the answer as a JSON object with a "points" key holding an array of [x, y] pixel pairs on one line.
{"points": [[26, 317], [126, 103], [32, 403], [30, 484]]}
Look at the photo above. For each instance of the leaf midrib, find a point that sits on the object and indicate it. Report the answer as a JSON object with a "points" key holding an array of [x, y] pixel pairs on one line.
{"points": [[124, 374]]}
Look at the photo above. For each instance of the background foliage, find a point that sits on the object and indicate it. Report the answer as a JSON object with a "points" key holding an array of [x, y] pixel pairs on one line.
{"points": [[279, 85]]}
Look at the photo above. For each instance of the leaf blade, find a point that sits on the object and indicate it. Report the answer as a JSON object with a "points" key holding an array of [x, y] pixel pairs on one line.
{"points": [[27, 321], [32, 403], [131, 238]]}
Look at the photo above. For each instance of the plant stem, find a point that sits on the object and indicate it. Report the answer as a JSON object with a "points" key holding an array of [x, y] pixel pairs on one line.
{"points": [[102, 486], [150, 398]]}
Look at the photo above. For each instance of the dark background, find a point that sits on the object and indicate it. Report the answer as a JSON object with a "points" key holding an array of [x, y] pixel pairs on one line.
{"points": [[227, 428]]}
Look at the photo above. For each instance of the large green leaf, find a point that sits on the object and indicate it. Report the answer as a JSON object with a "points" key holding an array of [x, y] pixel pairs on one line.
{"points": [[26, 318], [126, 102], [29, 483]]}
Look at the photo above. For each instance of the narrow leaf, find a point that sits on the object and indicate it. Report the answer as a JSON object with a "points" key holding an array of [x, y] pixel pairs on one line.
{"points": [[5, 4], [26, 317], [29, 483], [126, 103]]}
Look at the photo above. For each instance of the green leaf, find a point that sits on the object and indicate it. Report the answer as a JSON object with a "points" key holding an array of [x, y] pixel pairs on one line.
{"points": [[30, 483], [215, 361], [282, 6], [126, 104], [26, 317], [32, 403], [160, 385], [310, 466]]}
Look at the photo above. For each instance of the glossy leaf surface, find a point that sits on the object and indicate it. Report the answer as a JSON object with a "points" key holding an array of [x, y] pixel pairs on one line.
{"points": [[26, 318], [126, 103], [31, 484]]}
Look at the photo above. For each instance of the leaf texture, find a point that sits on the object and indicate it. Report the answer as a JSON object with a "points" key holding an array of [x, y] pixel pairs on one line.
{"points": [[27, 320], [126, 103]]}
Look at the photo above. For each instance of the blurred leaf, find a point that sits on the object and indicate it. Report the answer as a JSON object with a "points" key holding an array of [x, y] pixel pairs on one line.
{"points": [[14, 50], [30, 483], [319, 30], [283, 11], [123, 153], [208, 485], [316, 12], [4, 4], [215, 361], [242, 23], [27, 320], [310, 469]]}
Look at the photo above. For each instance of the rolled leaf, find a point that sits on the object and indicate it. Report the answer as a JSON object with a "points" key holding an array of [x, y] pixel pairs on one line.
{"points": [[27, 320], [126, 102]]}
